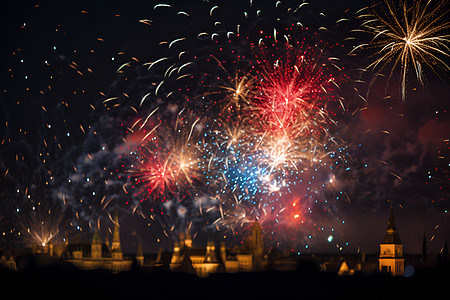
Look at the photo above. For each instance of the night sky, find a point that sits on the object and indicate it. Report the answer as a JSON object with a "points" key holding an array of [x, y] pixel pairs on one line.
{"points": [[66, 153]]}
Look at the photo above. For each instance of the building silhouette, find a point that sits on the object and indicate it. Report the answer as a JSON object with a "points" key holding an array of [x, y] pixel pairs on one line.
{"points": [[248, 256], [203, 261], [391, 258], [8, 263], [99, 255], [140, 255]]}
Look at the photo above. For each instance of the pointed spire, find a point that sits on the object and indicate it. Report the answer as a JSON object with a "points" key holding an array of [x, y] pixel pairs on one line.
{"points": [[159, 255], [188, 239], [96, 246], [424, 247], [256, 235], [116, 250], [391, 236], [140, 255], [115, 245], [107, 240], [96, 239], [139, 250], [391, 222]]}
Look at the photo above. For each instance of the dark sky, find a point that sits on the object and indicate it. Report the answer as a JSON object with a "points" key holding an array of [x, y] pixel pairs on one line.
{"points": [[59, 61]]}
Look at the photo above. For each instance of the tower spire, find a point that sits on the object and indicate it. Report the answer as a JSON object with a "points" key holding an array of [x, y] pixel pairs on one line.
{"points": [[257, 246], [424, 247], [140, 255], [116, 249], [391, 250], [391, 236], [115, 246], [96, 246]]}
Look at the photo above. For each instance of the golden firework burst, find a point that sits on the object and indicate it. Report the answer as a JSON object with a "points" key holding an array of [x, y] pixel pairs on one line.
{"points": [[407, 34]]}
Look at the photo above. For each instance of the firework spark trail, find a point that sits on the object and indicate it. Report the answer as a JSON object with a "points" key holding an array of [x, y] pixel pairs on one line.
{"points": [[240, 115], [245, 161], [263, 93], [265, 106], [170, 156], [291, 101], [413, 34], [40, 218], [170, 169]]}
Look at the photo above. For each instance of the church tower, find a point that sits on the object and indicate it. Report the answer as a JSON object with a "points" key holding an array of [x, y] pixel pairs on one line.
{"points": [[391, 250], [210, 256], [257, 246], [107, 240], [116, 251], [188, 239], [140, 255], [96, 246]]}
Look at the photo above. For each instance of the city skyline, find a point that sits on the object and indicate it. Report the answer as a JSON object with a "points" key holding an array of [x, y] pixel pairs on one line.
{"points": [[210, 116]]}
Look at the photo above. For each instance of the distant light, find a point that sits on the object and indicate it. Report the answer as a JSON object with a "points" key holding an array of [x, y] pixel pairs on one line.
{"points": [[330, 238]]}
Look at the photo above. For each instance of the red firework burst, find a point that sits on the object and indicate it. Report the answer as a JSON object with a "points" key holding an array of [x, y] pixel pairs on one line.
{"points": [[292, 88]]}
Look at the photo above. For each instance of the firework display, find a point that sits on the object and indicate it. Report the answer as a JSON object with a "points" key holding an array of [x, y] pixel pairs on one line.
{"points": [[258, 124], [407, 35], [210, 117]]}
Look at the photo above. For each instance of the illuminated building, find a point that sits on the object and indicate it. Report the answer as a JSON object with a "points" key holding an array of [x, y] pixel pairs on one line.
{"points": [[203, 261], [391, 250], [140, 255], [98, 254], [8, 263]]}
